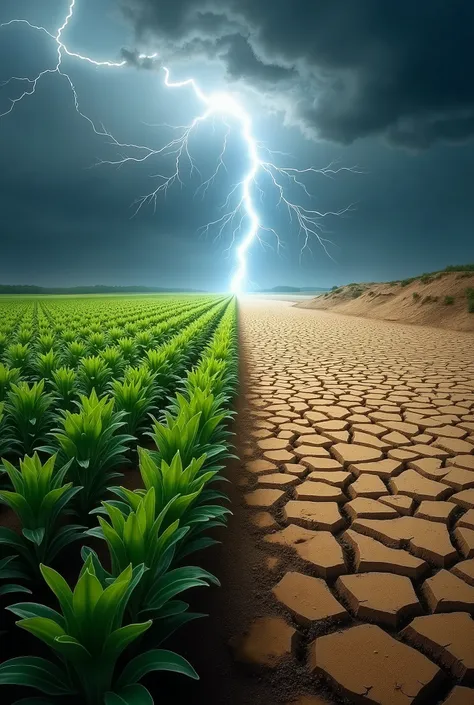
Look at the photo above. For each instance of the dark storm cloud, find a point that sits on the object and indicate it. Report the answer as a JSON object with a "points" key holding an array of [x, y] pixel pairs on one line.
{"points": [[340, 69], [133, 58]]}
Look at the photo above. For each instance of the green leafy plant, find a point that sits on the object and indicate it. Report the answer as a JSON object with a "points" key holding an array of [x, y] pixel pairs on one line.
{"points": [[96, 343], [207, 391], [93, 374], [64, 387], [89, 636], [46, 342], [46, 364], [163, 370], [192, 427], [416, 296], [29, 411], [114, 361], [144, 341], [128, 349], [213, 377], [147, 533], [17, 355], [74, 352], [143, 376], [24, 336], [133, 400], [39, 497], [182, 490], [68, 336], [448, 300], [115, 334], [90, 439], [135, 396], [7, 378], [174, 480]]}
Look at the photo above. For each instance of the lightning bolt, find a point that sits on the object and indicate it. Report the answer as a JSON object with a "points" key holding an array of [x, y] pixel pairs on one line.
{"points": [[243, 211]]}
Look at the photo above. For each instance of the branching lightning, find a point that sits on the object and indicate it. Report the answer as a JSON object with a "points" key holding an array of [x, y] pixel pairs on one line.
{"points": [[240, 211]]}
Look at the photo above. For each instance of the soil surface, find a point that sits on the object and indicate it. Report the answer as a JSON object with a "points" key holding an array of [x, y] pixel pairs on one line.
{"points": [[347, 568], [439, 299]]}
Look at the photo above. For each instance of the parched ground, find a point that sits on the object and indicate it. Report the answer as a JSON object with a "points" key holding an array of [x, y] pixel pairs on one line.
{"points": [[359, 476], [347, 568]]}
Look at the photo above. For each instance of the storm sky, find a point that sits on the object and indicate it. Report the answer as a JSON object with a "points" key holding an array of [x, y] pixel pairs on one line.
{"points": [[384, 85]]}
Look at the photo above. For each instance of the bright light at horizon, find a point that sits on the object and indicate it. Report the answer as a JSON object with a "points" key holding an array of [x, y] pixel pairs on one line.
{"points": [[223, 105]]}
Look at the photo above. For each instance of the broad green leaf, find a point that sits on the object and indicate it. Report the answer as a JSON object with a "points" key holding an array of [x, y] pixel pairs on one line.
{"points": [[155, 660], [36, 536], [43, 628], [63, 592], [18, 503], [36, 673], [85, 597], [118, 640], [51, 498], [116, 517], [14, 475], [25, 610], [108, 605]]}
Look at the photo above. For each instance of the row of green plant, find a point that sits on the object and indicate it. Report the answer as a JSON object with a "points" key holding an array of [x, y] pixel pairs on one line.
{"points": [[106, 633], [19, 343], [31, 410], [40, 361], [78, 312], [58, 315]]}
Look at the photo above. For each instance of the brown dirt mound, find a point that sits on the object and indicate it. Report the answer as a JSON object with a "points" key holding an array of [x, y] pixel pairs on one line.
{"points": [[432, 300]]}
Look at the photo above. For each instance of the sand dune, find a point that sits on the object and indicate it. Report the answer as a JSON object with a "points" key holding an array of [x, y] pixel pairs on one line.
{"points": [[439, 299]]}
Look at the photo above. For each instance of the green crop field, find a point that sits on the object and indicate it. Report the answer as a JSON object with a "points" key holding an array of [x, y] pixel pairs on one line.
{"points": [[114, 427]]}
